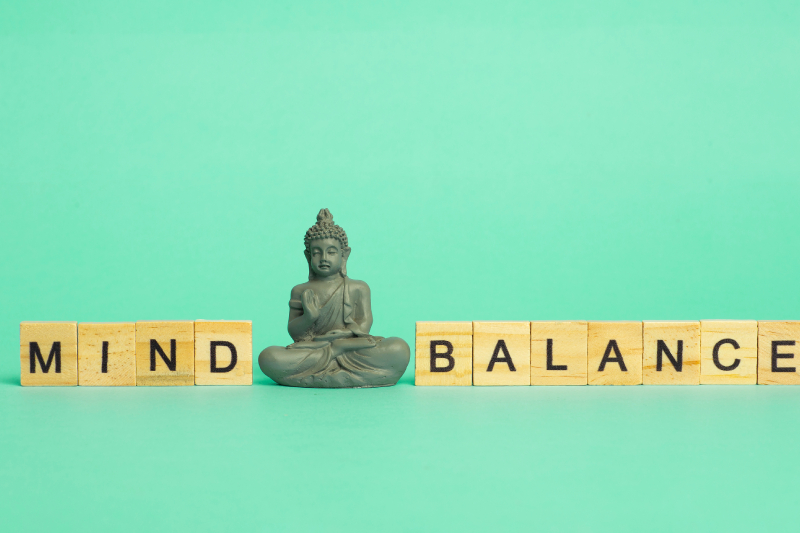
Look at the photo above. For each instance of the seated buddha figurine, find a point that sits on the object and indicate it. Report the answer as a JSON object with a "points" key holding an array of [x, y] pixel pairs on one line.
{"points": [[329, 320]]}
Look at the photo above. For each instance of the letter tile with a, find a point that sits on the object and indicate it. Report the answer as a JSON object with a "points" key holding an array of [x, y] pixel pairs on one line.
{"points": [[615, 353], [501, 353]]}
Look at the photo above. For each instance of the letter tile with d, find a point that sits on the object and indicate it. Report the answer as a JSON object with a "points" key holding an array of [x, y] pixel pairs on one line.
{"points": [[223, 352]]}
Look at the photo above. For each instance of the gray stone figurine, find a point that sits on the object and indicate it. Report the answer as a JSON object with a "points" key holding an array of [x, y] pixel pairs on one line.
{"points": [[329, 320]]}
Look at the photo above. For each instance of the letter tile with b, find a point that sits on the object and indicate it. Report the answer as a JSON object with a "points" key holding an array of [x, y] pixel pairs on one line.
{"points": [[165, 353], [443, 353], [223, 352], [501, 353]]}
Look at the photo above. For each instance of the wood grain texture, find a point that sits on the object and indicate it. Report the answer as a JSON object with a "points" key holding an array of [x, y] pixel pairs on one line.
{"points": [[785, 369], [121, 354], [745, 334], [603, 338], [65, 357], [459, 335], [238, 333], [568, 345], [182, 332], [682, 340], [488, 338]]}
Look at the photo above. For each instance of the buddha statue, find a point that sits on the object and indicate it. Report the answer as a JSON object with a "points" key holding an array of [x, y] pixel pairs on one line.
{"points": [[329, 320]]}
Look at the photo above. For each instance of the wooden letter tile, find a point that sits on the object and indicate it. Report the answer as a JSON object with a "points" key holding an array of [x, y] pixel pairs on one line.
{"points": [[729, 354], [501, 353], [671, 353], [48, 353], [779, 353], [223, 352], [558, 353], [443, 353], [107, 354], [615, 353], [165, 353]]}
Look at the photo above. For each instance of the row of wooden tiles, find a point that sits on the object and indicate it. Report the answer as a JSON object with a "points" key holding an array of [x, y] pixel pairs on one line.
{"points": [[201, 352], [607, 353]]}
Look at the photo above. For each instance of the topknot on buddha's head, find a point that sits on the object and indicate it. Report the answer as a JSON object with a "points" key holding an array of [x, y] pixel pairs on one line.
{"points": [[325, 228]]}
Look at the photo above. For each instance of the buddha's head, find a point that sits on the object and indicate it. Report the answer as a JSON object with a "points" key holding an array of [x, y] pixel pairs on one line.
{"points": [[326, 248]]}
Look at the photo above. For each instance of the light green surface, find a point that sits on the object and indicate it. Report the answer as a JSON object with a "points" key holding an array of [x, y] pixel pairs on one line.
{"points": [[518, 161]]}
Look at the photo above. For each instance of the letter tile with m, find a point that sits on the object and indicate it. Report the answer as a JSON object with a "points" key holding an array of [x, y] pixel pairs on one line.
{"points": [[48, 353]]}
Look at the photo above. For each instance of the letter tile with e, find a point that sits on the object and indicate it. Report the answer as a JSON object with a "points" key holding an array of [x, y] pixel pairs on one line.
{"points": [[223, 352], [615, 353], [443, 353], [778, 352], [501, 353]]}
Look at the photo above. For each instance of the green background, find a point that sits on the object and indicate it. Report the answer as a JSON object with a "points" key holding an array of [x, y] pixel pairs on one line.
{"points": [[489, 160]]}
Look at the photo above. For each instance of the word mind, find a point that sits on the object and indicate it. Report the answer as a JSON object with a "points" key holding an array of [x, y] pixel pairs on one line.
{"points": [[201, 352]]}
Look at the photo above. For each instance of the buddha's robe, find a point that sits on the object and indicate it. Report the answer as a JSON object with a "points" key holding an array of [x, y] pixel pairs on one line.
{"points": [[331, 356]]}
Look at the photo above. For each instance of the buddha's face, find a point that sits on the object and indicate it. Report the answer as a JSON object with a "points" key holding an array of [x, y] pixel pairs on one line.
{"points": [[325, 257]]}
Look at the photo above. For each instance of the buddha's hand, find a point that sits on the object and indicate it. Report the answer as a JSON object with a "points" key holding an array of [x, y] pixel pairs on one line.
{"points": [[341, 346], [310, 303]]}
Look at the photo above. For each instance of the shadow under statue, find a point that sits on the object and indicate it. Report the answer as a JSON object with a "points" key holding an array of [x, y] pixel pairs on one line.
{"points": [[329, 320]]}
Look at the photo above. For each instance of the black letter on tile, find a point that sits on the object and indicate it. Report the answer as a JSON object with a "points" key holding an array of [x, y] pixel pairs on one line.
{"points": [[36, 353], [677, 361], [104, 366], [171, 361], [716, 354], [550, 365], [612, 345], [776, 356], [227, 345], [451, 362], [501, 345]]}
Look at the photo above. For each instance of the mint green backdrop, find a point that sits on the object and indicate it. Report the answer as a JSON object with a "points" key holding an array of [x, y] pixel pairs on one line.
{"points": [[489, 160]]}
